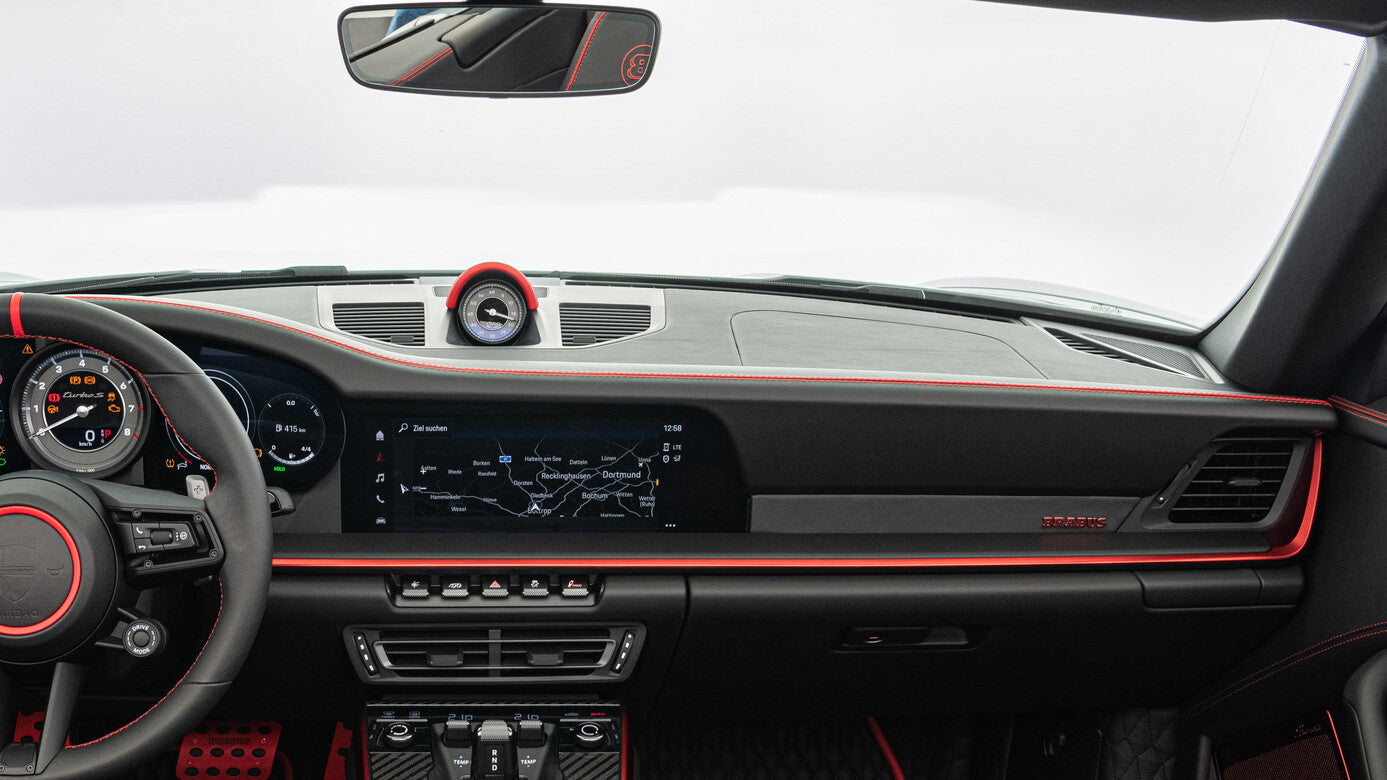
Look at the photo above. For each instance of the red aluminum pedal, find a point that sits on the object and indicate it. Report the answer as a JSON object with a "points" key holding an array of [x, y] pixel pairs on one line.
{"points": [[339, 754], [26, 726], [229, 748]]}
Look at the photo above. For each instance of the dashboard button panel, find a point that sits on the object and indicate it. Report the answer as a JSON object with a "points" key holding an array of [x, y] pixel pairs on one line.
{"points": [[493, 589]]}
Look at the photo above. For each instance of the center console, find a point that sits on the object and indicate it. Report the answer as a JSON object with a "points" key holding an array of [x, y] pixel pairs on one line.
{"points": [[495, 740]]}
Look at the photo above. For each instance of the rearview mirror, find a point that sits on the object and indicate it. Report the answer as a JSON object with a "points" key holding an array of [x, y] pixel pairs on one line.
{"points": [[499, 50]]}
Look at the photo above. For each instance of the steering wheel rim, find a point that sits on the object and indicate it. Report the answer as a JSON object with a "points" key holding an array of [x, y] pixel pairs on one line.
{"points": [[236, 506]]}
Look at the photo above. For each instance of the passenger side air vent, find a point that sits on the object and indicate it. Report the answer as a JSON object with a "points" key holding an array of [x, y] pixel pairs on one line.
{"points": [[396, 322], [520, 653], [592, 323], [1239, 482], [1137, 353]]}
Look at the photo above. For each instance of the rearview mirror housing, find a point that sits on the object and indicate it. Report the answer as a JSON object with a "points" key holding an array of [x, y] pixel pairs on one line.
{"points": [[499, 49]]}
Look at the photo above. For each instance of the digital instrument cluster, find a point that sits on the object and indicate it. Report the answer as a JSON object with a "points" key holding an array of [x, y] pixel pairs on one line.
{"points": [[290, 416], [78, 411]]}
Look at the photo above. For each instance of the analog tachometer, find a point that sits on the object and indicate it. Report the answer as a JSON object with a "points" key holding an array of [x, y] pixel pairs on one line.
{"points": [[81, 412]]}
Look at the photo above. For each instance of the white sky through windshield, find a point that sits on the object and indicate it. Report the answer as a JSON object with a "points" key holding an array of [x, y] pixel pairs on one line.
{"points": [[891, 142]]}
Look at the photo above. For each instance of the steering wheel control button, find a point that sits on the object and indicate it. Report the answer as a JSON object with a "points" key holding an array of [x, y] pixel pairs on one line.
{"points": [[496, 587], [536, 586], [179, 535], [39, 570], [454, 587], [143, 638], [414, 587], [576, 586]]}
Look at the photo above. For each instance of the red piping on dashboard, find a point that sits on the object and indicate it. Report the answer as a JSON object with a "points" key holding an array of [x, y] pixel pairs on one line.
{"points": [[1279, 553], [15, 327], [886, 751], [531, 299]]}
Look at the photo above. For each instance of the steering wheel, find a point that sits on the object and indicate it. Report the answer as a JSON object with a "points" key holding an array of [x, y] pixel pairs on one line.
{"points": [[70, 567]]}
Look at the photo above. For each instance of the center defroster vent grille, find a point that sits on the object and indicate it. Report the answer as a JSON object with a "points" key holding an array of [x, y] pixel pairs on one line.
{"points": [[1238, 483], [594, 323], [499, 653], [399, 322]]}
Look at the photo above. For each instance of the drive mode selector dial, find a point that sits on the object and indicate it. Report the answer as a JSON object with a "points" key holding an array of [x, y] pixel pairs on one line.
{"points": [[81, 412]]}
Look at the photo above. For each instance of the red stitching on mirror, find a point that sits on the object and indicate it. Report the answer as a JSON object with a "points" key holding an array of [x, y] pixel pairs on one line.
{"points": [[419, 69], [595, 24]]}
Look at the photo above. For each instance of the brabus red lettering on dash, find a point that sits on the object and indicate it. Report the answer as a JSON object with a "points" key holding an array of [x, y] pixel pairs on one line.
{"points": [[1074, 522]]}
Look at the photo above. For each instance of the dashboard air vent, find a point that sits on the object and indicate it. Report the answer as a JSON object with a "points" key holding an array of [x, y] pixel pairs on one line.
{"points": [[1238, 483], [593, 323], [1128, 351], [528, 653], [396, 322]]}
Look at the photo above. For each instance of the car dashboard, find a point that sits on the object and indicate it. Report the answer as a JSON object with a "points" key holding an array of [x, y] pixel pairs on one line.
{"points": [[678, 502]]}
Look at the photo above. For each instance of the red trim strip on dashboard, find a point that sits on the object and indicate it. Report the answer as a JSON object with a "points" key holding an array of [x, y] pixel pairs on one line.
{"points": [[962, 383], [15, 326], [527, 289], [1278, 553]]}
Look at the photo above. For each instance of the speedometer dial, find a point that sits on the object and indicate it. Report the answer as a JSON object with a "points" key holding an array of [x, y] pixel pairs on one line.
{"points": [[81, 412], [492, 313]]}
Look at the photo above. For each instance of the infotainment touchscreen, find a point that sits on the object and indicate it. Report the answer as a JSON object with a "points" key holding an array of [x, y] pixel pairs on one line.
{"points": [[507, 470]]}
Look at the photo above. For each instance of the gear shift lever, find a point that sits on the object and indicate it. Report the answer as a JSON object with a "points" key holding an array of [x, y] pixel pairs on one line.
{"points": [[494, 750], [493, 757]]}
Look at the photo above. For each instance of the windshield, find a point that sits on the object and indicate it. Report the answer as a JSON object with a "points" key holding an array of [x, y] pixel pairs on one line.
{"points": [[950, 142]]}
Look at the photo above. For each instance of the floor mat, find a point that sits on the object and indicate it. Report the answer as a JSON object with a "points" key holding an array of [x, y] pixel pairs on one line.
{"points": [[812, 750]]}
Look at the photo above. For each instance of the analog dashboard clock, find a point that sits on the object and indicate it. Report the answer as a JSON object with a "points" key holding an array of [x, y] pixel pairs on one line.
{"points": [[492, 304]]}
